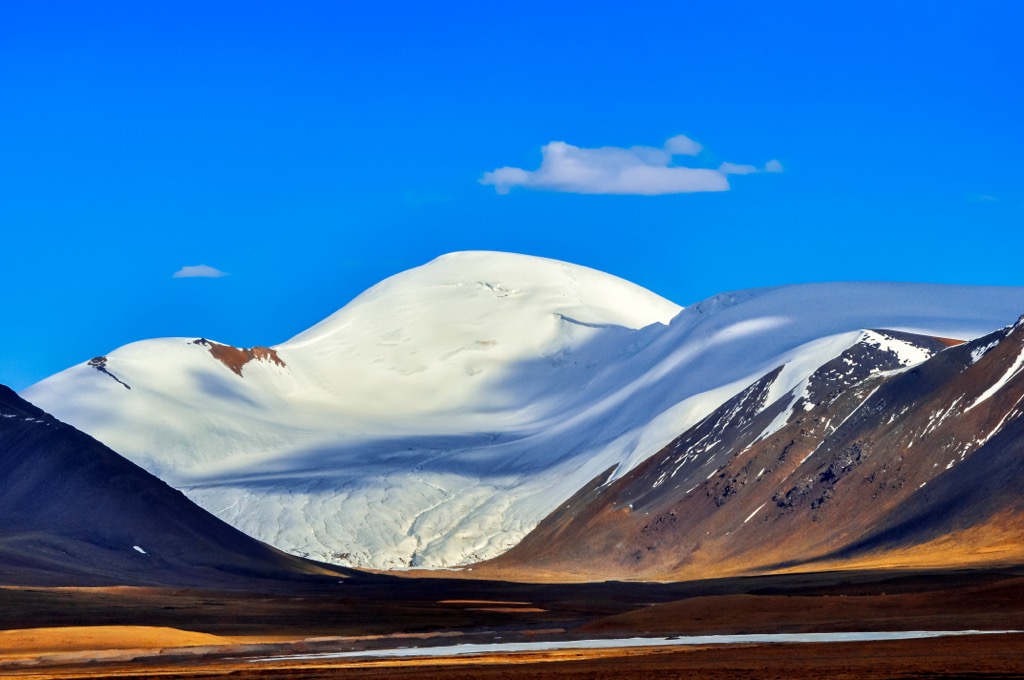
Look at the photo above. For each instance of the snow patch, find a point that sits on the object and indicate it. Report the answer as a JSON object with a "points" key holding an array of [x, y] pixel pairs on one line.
{"points": [[978, 352], [1011, 373], [906, 353], [751, 515]]}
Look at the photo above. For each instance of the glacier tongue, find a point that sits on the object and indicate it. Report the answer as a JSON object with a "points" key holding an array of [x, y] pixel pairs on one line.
{"points": [[436, 418]]}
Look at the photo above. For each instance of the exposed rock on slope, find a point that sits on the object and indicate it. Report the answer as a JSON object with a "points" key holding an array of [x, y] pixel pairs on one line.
{"points": [[236, 358], [73, 512], [867, 464]]}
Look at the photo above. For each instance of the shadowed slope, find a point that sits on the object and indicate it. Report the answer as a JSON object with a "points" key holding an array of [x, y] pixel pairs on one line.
{"points": [[73, 512]]}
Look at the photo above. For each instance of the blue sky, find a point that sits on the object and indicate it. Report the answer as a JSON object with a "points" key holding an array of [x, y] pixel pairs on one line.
{"points": [[310, 149]]}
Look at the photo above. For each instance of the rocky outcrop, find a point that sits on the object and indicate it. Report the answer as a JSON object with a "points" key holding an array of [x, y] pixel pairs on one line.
{"points": [[236, 358], [100, 364]]}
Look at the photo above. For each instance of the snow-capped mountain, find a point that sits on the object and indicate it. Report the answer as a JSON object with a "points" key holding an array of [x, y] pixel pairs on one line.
{"points": [[439, 416]]}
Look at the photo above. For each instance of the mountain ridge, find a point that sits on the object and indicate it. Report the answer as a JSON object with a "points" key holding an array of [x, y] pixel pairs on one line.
{"points": [[876, 489]]}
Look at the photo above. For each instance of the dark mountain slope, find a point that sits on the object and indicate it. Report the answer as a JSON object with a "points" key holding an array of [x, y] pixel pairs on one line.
{"points": [[73, 512], [874, 465]]}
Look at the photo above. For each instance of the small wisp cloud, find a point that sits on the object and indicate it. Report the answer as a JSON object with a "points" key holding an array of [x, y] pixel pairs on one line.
{"points": [[198, 271], [637, 170], [742, 169]]}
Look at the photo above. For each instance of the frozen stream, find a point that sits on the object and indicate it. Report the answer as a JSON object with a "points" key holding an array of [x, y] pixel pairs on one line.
{"points": [[683, 640]]}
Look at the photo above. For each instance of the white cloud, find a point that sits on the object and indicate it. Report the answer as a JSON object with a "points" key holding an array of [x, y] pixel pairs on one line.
{"points": [[727, 168], [638, 170], [198, 271], [737, 169], [681, 145]]}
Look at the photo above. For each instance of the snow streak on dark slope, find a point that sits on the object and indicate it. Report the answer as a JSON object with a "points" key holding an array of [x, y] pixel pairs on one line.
{"points": [[73, 512], [866, 462]]}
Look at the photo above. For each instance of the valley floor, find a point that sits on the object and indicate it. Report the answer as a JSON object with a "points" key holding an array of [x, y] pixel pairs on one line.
{"points": [[180, 633], [989, 657]]}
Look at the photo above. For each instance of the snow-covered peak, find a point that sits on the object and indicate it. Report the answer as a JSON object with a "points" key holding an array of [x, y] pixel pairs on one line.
{"points": [[494, 283], [433, 337]]}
